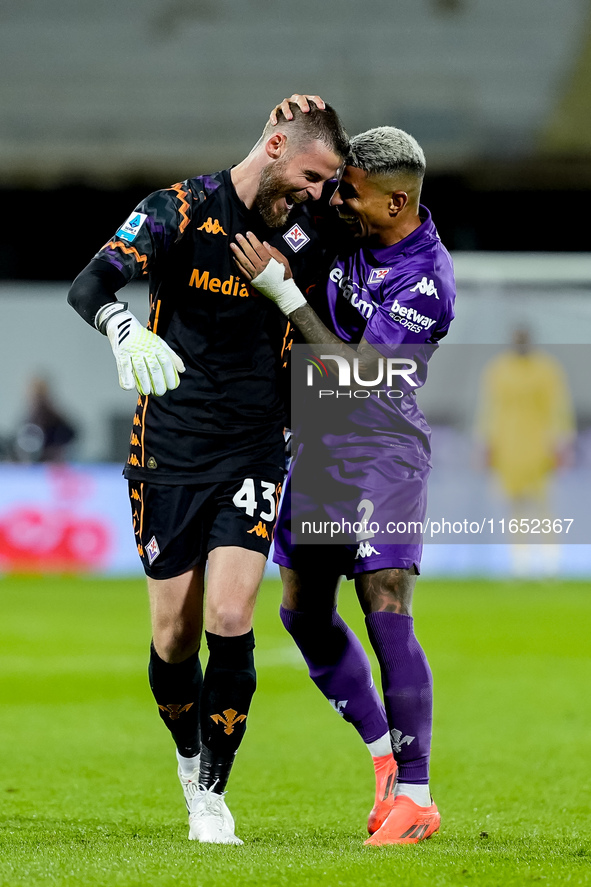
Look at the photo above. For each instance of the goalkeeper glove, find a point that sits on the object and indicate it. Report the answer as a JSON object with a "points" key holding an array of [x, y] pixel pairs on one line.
{"points": [[144, 360]]}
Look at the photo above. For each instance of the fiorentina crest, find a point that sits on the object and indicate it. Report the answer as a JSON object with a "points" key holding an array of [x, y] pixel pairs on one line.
{"points": [[377, 275], [296, 238], [152, 550]]}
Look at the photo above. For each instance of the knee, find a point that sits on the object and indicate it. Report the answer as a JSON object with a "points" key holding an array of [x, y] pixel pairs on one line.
{"points": [[175, 642], [389, 591], [321, 634], [228, 619]]}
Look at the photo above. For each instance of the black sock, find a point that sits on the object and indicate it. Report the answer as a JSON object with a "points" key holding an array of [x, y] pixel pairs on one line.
{"points": [[177, 688], [228, 688]]}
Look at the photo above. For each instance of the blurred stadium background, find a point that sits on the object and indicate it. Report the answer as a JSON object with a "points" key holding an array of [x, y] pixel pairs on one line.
{"points": [[102, 103]]}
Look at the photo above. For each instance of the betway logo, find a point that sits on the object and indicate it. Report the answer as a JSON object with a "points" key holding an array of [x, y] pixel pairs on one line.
{"points": [[425, 287], [232, 286], [402, 311], [347, 287]]}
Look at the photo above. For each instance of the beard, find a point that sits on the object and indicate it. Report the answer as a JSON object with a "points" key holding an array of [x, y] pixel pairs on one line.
{"points": [[272, 186]]}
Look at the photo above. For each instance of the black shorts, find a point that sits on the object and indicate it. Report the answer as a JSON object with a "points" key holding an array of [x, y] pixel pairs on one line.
{"points": [[177, 526]]}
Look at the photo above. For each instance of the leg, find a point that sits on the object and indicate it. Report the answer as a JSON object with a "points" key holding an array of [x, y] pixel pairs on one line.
{"points": [[336, 660], [386, 599], [238, 541], [180, 523], [235, 575], [339, 667], [175, 672], [170, 518]]}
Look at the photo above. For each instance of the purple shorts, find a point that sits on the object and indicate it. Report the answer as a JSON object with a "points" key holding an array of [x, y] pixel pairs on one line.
{"points": [[365, 507]]}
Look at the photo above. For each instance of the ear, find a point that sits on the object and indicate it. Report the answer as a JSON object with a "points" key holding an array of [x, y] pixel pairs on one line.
{"points": [[275, 146], [397, 202]]}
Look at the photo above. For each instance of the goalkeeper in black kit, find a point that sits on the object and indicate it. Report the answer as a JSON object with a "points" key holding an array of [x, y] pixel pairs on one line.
{"points": [[206, 458]]}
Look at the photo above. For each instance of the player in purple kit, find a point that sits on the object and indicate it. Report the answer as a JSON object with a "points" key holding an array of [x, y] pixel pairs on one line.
{"points": [[393, 287]]}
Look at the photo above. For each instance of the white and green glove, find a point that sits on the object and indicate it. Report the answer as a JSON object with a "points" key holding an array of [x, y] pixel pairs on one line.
{"points": [[144, 360]]}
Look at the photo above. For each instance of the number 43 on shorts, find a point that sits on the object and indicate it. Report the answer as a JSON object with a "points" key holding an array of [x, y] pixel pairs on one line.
{"points": [[246, 498]]}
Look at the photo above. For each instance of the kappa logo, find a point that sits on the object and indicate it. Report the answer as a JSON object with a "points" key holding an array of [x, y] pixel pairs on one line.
{"points": [[260, 529], [425, 287], [175, 711], [377, 275], [296, 238], [398, 740], [365, 550], [339, 706], [152, 550], [212, 226], [130, 229], [229, 718]]}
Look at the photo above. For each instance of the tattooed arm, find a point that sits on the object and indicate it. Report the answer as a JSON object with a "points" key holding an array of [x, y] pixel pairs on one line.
{"points": [[268, 270]]}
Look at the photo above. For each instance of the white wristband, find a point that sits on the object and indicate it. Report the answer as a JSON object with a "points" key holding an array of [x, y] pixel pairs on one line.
{"points": [[104, 314], [284, 293]]}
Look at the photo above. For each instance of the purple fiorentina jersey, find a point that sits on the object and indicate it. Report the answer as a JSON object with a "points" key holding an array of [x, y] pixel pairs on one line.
{"points": [[400, 295], [370, 456]]}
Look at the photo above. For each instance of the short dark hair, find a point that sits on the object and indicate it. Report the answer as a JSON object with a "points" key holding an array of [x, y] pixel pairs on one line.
{"points": [[315, 124]]}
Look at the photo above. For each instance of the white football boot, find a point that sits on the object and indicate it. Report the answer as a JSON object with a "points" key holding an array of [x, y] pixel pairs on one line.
{"points": [[189, 783], [210, 821]]}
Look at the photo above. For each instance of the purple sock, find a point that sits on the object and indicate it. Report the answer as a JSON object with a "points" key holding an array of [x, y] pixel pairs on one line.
{"points": [[339, 667], [408, 692]]}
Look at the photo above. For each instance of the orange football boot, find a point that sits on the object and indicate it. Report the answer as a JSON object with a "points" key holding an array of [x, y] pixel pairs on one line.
{"points": [[407, 824], [385, 767]]}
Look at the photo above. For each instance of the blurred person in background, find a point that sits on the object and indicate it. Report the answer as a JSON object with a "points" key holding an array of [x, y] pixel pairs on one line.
{"points": [[45, 434], [526, 428]]}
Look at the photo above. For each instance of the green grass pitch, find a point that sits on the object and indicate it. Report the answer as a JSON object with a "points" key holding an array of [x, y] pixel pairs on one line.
{"points": [[88, 789]]}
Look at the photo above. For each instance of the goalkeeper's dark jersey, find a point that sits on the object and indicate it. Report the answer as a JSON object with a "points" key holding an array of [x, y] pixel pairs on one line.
{"points": [[226, 418]]}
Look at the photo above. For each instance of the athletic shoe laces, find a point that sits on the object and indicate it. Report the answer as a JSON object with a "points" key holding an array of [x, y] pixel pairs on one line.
{"points": [[207, 802]]}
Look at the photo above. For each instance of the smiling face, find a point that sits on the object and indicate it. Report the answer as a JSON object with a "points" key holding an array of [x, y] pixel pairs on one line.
{"points": [[293, 178], [366, 205]]}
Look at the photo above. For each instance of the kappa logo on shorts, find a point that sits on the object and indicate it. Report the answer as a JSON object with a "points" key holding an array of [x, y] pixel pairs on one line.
{"points": [[260, 529], [377, 275], [130, 229], [365, 550], [152, 550], [296, 238]]}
